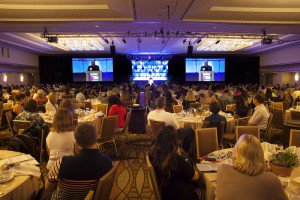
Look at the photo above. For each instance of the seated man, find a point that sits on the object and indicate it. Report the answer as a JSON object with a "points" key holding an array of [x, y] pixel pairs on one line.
{"points": [[72, 177], [261, 115], [159, 114]]}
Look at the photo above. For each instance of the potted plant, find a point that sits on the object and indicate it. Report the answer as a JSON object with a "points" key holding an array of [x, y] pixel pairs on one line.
{"points": [[283, 163]]}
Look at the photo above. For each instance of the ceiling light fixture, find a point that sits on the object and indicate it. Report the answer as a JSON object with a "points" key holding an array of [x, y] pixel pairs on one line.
{"points": [[218, 41], [124, 41], [225, 44], [106, 41], [184, 41]]}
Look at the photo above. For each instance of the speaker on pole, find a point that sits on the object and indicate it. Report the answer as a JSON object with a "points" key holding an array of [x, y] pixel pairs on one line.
{"points": [[190, 50]]}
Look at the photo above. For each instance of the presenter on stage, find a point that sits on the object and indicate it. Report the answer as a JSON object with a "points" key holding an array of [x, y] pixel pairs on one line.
{"points": [[206, 67], [93, 67]]}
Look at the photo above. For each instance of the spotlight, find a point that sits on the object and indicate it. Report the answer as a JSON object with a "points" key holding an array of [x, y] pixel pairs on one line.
{"points": [[52, 39], [140, 41], [184, 41], [163, 41], [266, 39], [218, 41], [106, 41], [124, 40], [199, 40]]}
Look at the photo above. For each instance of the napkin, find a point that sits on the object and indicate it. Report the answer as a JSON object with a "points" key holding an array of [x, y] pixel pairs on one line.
{"points": [[269, 150], [26, 169]]}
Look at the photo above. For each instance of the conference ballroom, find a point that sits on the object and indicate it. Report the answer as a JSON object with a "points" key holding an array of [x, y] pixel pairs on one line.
{"points": [[160, 99]]}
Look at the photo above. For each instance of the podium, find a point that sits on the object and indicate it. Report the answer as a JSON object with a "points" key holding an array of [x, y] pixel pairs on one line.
{"points": [[93, 76], [206, 76]]}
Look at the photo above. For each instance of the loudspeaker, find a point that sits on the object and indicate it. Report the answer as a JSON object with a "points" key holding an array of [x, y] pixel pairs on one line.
{"points": [[112, 49], [190, 50]]}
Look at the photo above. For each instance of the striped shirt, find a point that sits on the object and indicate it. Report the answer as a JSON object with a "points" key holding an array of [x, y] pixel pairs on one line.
{"points": [[77, 175]]}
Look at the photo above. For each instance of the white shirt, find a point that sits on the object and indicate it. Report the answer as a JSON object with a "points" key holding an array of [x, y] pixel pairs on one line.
{"points": [[59, 144], [163, 116], [260, 117], [80, 97], [50, 107]]}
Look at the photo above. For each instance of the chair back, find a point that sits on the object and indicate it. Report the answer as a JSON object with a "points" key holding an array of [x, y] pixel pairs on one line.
{"points": [[230, 107], [125, 128], [101, 107], [206, 141], [286, 105], [108, 127], [7, 105], [127, 103], [177, 108], [4, 123], [155, 127], [9, 119], [243, 121], [295, 115], [250, 130], [298, 103], [278, 118], [204, 107], [195, 105], [106, 183], [87, 104], [278, 105], [19, 125], [90, 195], [153, 178], [58, 101], [295, 138], [220, 125]]}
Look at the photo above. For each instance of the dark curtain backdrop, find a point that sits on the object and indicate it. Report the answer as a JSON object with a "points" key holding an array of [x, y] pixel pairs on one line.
{"points": [[58, 68], [239, 68]]}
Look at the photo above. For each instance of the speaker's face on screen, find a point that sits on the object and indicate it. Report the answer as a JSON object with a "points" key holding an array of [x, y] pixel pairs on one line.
{"points": [[206, 63]]}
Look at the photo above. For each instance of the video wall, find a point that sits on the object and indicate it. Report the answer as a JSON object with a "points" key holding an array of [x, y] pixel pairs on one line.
{"points": [[143, 70], [92, 69], [205, 69]]}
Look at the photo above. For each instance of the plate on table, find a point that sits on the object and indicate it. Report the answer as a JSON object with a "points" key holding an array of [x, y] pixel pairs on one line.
{"points": [[6, 176]]}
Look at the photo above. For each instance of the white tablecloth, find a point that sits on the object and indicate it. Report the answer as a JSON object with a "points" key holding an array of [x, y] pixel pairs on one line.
{"points": [[20, 187]]}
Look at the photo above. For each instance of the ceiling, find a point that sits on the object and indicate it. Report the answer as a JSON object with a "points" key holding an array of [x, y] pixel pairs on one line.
{"points": [[21, 22]]}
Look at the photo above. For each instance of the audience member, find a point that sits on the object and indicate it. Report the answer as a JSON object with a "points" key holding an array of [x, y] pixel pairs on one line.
{"points": [[261, 115], [117, 108], [51, 105]]}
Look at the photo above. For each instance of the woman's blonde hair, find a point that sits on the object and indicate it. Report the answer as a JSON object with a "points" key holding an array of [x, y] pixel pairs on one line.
{"points": [[63, 121], [248, 156], [52, 97], [190, 96]]}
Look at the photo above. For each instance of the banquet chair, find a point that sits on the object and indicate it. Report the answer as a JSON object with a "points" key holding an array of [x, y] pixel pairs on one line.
{"points": [[286, 105], [278, 118], [177, 108], [4, 124], [250, 112], [221, 129], [155, 127], [295, 115], [277, 105], [243, 121], [107, 131], [90, 195], [153, 178], [204, 107], [298, 103], [7, 105], [294, 138], [58, 101], [101, 107], [19, 126], [250, 130], [106, 183], [127, 103], [87, 104], [9, 119], [195, 105], [230, 107], [206, 141]]}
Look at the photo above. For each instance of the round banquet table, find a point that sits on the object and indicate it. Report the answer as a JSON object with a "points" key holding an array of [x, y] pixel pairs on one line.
{"points": [[20, 187], [210, 179], [195, 123], [288, 113]]}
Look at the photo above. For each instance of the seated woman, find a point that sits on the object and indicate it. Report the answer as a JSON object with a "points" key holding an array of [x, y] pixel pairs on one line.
{"points": [[60, 141], [51, 105], [247, 179], [176, 175], [68, 104], [124, 96], [170, 102], [18, 105], [30, 114], [40, 98], [189, 98], [117, 108], [241, 109]]}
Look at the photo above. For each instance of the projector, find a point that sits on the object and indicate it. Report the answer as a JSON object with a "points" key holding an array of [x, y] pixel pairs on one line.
{"points": [[52, 39], [267, 40]]}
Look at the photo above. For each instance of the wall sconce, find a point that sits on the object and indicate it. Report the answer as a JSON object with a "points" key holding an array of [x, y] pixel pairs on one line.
{"points": [[21, 77], [297, 77], [4, 77]]}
